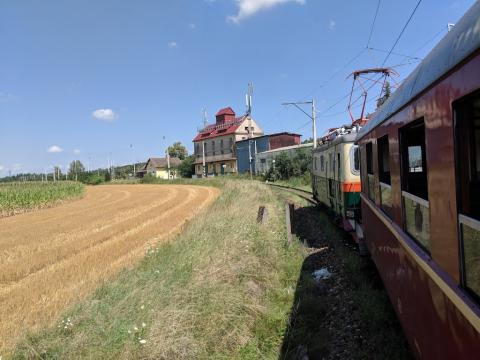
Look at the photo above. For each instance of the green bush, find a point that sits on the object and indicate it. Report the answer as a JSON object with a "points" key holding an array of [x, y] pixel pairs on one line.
{"points": [[187, 168], [287, 167], [93, 179]]}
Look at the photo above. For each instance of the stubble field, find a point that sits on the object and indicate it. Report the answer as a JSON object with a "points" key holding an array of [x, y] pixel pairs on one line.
{"points": [[52, 258]]}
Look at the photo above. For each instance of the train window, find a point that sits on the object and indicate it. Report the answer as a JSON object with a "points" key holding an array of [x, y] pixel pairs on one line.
{"points": [[322, 163], [384, 175], [383, 160], [414, 167], [414, 182], [355, 160], [370, 178], [369, 158], [467, 133]]}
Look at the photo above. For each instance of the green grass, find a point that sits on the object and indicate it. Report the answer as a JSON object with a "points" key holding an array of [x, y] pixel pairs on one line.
{"points": [[22, 196], [222, 289]]}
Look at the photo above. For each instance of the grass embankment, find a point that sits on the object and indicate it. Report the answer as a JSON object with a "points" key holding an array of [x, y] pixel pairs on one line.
{"points": [[23, 196], [348, 316], [222, 289]]}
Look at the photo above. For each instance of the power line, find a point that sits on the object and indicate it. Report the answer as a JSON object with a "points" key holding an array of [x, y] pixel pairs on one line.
{"points": [[430, 40], [373, 23], [401, 33], [394, 53], [335, 73]]}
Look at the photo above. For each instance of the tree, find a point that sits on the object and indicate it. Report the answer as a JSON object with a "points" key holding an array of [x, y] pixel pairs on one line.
{"points": [[178, 150], [76, 167], [187, 167], [308, 141], [385, 96]]}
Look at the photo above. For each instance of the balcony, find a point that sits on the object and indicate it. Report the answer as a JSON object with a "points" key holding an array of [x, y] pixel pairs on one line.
{"points": [[215, 157]]}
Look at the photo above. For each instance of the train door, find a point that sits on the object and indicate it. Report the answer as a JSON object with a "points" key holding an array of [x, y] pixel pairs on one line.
{"points": [[467, 139]]}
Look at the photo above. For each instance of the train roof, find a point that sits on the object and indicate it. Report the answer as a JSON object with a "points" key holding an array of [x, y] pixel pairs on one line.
{"points": [[462, 41], [342, 138]]}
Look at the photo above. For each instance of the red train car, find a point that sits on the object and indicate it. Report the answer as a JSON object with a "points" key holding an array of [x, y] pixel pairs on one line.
{"points": [[420, 172]]}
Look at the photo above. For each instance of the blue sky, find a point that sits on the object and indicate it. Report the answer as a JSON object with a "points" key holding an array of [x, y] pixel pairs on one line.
{"points": [[85, 79]]}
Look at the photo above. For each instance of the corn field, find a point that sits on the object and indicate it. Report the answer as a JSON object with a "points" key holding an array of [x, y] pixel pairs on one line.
{"points": [[21, 196]]}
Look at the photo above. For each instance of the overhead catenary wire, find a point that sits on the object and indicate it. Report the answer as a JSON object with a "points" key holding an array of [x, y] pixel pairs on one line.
{"points": [[430, 39], [373, 24], [394, 53], [401, 32], [360, 53]]}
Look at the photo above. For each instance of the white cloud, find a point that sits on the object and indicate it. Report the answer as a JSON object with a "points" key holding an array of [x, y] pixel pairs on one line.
{"points": [[247, 8], [6, 97], [1, 167], [105, 114], [54, 149], [172, 45], [76, 151], [331, 25], [192, 26]]}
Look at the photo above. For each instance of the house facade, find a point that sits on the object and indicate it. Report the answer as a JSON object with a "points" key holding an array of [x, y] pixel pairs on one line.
{"points": [[214, 145], [248, 149], [161, 168]]}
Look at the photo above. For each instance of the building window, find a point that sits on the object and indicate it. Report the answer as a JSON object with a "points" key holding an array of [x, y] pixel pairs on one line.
{"points": [[384, 174], [467, 141], [370, 177], [414, 182], [355, 160], [322, 163]]}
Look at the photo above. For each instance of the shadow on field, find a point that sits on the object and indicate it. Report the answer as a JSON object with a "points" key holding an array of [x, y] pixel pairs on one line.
{"points": [[346, 316]]}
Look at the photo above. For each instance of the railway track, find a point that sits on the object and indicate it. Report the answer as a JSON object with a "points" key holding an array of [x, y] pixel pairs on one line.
{"points": [[304, 194]]}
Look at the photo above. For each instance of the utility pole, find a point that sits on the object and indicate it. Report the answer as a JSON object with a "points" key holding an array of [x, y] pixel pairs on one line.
{"points": [[133, 158], [167, 155], [313, 117], [250, 157], [203, 156]]}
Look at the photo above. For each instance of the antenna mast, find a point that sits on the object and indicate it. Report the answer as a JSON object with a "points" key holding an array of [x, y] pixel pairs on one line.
{"points": [[248, 102], [204, 117]]}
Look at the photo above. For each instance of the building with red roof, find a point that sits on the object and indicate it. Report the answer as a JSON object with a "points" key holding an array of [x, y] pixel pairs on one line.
{"points": [[214, 145]]}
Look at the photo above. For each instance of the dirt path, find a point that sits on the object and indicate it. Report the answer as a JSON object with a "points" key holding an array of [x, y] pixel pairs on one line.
{"points": [[52, 258]]}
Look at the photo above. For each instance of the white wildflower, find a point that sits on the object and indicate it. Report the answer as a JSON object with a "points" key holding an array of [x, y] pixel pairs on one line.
{"points": [[135, 328], [143, 341], [142, 307], [143, 324]]}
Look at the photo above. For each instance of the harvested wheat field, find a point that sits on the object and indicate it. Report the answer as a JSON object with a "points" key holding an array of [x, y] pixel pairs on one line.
{"points": [[52, 258]]}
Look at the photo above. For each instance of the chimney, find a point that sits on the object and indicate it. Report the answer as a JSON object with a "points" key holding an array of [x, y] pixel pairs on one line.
{"points": [[225, 115]]}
